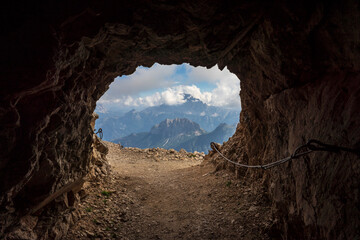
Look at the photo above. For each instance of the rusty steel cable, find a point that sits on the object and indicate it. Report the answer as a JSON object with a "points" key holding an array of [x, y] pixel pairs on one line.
{"points": [[311, 146]]}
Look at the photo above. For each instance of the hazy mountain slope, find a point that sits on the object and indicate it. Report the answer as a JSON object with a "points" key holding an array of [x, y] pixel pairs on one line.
{"points": [[166, 134], [209, 117], [178, 133], [202, 143]]}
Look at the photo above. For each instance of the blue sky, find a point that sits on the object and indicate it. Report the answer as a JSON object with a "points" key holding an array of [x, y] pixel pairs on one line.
{"points": [[166, 84]]}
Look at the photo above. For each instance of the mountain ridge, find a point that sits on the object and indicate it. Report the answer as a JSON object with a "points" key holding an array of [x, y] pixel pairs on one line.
{"points": [[208, 117], [177, 134]]}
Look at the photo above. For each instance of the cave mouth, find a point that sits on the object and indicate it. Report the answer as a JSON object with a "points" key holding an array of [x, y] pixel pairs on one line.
{"points": [[56, 114], [206, 102], [299, 70]]}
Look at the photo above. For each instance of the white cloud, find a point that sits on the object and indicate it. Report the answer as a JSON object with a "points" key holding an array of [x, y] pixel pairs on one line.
{"points": [[212, 75], [143, 79], [126, 91], [172, 96], [226, 94]]}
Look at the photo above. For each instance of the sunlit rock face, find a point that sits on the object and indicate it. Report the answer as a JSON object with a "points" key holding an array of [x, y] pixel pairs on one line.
{"points": [[299, 70]]}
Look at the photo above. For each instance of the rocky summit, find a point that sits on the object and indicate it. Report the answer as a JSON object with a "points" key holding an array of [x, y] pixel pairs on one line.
{"points": [[177, 134]]}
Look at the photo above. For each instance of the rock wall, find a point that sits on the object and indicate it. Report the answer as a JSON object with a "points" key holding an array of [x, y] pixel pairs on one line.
{"points": [[52, 217], [299, 70], [303, 83]]}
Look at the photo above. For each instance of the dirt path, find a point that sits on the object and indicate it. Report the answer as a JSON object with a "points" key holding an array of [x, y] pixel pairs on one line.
{"points": [[160, 194]]}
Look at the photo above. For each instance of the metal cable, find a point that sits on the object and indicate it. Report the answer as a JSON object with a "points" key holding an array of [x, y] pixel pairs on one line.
{"points": [[100, 132], [311, 146]]}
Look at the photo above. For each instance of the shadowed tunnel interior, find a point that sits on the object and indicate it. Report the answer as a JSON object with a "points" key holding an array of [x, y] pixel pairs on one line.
{"points": [[299, 70]]}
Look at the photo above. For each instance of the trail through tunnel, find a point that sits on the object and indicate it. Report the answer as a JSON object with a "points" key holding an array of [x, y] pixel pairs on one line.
{"points": [[299, 70]]}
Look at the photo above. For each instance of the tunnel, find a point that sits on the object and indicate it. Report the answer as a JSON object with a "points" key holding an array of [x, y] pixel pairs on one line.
{"points": [[300, 79]]}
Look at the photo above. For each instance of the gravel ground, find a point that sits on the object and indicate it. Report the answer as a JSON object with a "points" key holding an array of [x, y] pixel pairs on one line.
{"points": [[165, 194]]}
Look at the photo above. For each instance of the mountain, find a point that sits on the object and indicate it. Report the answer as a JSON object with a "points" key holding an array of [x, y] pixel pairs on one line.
{"points": [[209, 117], [202, 143], [178, 133], [166, 134], [174, 127]]}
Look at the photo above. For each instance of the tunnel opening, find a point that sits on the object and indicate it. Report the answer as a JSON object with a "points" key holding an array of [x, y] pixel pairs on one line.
{"points": [[170, 106], [298, 63], [166, 191]]}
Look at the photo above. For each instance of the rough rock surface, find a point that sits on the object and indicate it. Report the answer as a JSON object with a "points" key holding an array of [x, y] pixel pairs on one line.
{"points": [[299, 70], [52, 219]]}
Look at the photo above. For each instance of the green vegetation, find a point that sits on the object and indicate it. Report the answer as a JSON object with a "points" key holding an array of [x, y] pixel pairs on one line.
{"points": [[88, 209], [106, 193]]}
